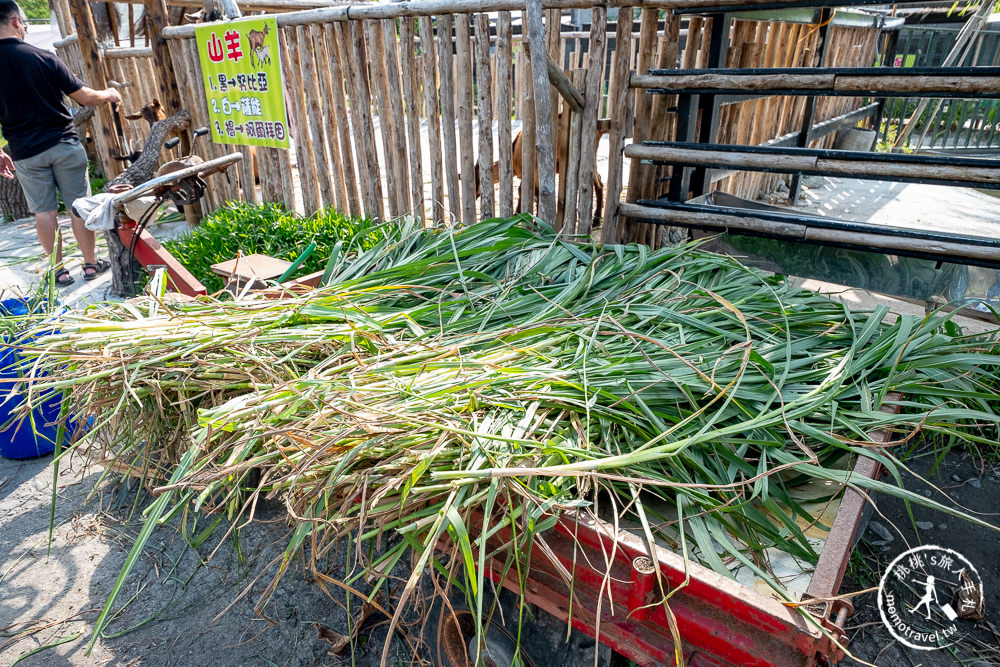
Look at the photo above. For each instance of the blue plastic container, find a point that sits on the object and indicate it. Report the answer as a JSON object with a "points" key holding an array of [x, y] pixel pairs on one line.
{"points": [[18, 439]]}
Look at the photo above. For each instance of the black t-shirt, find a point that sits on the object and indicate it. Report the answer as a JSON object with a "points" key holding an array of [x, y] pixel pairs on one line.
{"points": [[33, 115]]}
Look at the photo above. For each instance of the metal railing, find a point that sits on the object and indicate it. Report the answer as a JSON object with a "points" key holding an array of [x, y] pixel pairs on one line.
{"points": [[956, 124]]}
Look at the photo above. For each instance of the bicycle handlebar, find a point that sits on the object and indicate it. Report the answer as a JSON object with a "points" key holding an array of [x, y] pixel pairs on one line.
{"points": [[170, 143], [200, 169]]}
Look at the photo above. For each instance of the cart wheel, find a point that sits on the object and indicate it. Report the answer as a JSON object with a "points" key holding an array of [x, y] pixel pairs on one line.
{"points": [[457, 640]]}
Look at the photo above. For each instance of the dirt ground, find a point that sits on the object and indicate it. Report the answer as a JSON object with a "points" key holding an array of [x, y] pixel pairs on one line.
{"points": [[970, 481], [185, 604]]}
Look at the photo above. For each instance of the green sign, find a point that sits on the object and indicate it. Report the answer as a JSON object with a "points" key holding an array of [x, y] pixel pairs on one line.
{"points": [[241, 70]]}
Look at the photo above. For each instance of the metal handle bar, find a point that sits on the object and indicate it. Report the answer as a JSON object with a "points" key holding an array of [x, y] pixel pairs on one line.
{"points": [[170, 143], [200, 169]]}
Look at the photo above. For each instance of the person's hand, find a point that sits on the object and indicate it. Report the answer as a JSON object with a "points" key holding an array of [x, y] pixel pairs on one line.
{"points": [[112, 96], [119, 188], [6, 166]]}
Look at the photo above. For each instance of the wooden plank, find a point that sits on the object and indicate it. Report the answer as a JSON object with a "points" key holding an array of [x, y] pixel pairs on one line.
{"points": [[411, 99], [484, 98], [593, 83], [463, 101], [314, 113], [721, 82], [445, 48], [505, 178], [428, 62], [619, 96]]}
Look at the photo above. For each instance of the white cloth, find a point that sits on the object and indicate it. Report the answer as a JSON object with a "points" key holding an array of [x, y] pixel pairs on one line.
{"points": [[97, 212]]}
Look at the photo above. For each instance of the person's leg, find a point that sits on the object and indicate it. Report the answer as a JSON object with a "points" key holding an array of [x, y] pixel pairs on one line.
{"points": [[39, 185], [48, 234], [86, 239], [69, 168]]}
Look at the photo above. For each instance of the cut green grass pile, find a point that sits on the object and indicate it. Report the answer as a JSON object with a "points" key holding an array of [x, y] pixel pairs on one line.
{"points": [[504, 371], [267, 229]]}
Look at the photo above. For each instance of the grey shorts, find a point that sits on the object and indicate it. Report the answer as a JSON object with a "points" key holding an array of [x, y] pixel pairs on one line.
{"points": [[62, 167]]}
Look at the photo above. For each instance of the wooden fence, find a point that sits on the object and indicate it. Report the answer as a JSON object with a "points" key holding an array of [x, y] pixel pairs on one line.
{"points": [[394, 109]]}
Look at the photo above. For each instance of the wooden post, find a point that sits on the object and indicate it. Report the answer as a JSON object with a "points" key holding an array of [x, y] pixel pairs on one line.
{"points": [[93, 66], [543, 111], [428, 62], [166, 80], [822, 18], [529, 170], [505, 201], [588, 147], [484, 95], [618, 108]]}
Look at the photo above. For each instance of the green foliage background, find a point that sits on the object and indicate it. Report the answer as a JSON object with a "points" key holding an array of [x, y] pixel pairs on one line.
{"points": [[269, 229], [35, 9]]}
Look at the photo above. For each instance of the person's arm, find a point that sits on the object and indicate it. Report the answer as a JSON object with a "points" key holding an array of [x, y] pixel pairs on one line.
{"points": [[89, 97], [6, 165]]}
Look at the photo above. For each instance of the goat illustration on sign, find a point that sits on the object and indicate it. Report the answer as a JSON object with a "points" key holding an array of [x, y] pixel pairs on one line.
{"points": [[258, 50]]}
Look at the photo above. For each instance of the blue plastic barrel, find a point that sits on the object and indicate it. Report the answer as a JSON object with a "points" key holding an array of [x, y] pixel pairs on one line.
{"points": [[19, 439]]}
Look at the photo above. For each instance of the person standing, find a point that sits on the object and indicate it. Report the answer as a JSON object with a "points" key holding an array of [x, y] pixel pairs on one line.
{"points": [[45, 153]]}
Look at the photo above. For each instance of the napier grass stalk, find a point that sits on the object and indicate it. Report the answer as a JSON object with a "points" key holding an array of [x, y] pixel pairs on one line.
{"points": [[503, 372]]}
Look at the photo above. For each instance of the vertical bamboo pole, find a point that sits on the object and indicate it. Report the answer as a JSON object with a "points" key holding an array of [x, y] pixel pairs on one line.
{"points": [[569, 175], [314, 113], [428, 64], [543, 111], [333, 99], [485, 115], [445, 49], [560, 129], [640, 174], [295, 98], [621, 111], [529, 168], [394, 95], [373, 32], [593, 83], [505, 203], [662, 125], [166, 80], [463, 100], [338, 95], [411, 99], [213, 198], [352, 50], [554, 46]]}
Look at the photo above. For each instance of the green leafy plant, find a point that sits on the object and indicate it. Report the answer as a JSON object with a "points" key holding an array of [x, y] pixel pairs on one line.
{"points": [[454, 383], [268, 229], [36, 9]]}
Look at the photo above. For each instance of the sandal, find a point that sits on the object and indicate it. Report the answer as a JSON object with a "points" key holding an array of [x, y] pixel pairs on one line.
{"points": [[91, 271], [62, 277]]}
